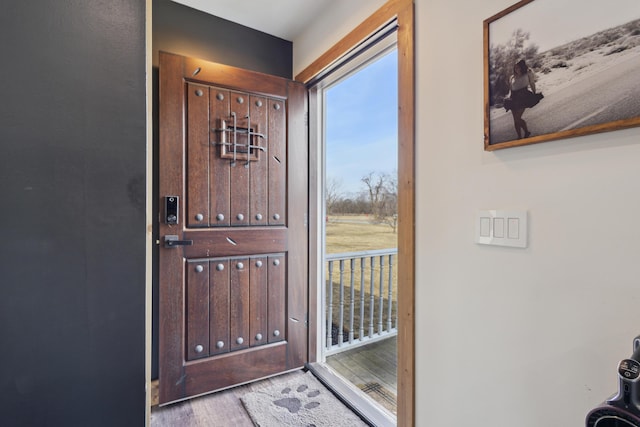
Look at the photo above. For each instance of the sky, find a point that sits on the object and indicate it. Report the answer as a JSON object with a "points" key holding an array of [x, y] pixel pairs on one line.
{"points": [[552, 23], [361, 124]]}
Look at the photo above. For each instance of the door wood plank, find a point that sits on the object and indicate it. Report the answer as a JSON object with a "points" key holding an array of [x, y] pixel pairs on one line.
{"points": [[277, 162], [235, 368], [258, 170], [170, 340], [239, 188], [298, 251], [258, 296], [220, 178], [239, 300], [277, 308], [220, 306], [197, 310], [235, 241], [233, 77], [198, 154]]}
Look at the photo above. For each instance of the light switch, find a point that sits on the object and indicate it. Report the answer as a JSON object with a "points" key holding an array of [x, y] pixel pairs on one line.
{"points": [[502, 228], [498, 227], [514, 228], [485, 227]]}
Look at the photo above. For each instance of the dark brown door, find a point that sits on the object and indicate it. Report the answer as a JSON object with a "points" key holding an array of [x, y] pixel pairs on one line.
{"points": [[233, 260]]}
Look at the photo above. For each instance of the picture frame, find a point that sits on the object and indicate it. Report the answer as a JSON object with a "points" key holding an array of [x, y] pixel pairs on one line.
{"points": [[583, 57]]}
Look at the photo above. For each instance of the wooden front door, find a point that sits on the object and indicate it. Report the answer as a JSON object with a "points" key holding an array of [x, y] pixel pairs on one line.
{"points": [[233, 176]]}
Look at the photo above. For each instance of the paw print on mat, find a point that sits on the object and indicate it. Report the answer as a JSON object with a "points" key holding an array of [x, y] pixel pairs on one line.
{"points": [[294, 404]]}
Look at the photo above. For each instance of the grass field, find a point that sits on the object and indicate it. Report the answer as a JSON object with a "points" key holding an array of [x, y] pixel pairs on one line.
{"points": [[354, 234]]}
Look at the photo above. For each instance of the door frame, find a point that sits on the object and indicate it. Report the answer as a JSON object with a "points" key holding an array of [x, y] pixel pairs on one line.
{"points": [[403, 12]]}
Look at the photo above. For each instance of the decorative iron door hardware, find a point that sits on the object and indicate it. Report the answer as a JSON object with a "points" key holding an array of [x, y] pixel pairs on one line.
{"points": [[235, 150]]}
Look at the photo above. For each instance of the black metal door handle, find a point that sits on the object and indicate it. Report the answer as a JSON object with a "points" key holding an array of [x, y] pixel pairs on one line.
{"points": [[171, 241]]}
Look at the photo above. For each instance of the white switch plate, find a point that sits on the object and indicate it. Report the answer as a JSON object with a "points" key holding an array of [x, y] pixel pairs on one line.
{"points": [[502, 228]]}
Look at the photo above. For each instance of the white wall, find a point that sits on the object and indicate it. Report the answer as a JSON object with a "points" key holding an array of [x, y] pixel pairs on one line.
{"points": [[328, 28], [513, 337]]}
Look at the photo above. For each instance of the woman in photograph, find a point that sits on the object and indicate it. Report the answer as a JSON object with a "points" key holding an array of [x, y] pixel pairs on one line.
{"points": [[521, 97]]}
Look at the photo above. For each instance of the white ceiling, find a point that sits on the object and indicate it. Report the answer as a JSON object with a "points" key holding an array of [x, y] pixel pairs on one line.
{"points": [[281, 18]]}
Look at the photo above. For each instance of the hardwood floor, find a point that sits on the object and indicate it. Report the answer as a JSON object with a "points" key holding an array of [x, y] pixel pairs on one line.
{"points": [[221, 409], [372, 368]]}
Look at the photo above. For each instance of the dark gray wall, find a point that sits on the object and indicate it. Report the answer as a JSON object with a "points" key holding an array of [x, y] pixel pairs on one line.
{"points": [[186, 31], [72, 173]]}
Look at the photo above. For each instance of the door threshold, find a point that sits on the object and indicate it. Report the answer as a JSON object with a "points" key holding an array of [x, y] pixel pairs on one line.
{"points": [[155, 384], [352, 397], [154, 399]]}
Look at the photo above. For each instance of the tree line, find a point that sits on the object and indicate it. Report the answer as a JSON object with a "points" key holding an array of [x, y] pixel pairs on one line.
{"points": [[378, 198]]}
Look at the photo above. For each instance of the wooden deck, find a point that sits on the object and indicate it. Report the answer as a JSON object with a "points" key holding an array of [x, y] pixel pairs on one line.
{"points": [[372, 368]]}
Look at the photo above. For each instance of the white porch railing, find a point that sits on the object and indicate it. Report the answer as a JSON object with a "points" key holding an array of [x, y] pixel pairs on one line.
{"points": [[361, 299]]}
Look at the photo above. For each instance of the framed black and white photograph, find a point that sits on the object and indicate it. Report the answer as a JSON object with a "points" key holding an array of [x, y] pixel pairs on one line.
{"points": [[558, 69]]}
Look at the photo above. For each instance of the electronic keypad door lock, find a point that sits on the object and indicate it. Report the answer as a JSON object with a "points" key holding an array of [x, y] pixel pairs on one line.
{"points": [[171, 209]]}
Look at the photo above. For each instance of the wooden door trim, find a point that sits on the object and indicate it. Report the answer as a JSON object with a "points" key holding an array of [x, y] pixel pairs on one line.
{"points": [[403, 11], [170, 182], [298, 183]]}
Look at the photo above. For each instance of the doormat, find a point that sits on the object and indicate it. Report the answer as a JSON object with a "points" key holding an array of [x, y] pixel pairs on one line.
{"points": [[380, 394], [299, 402]]}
